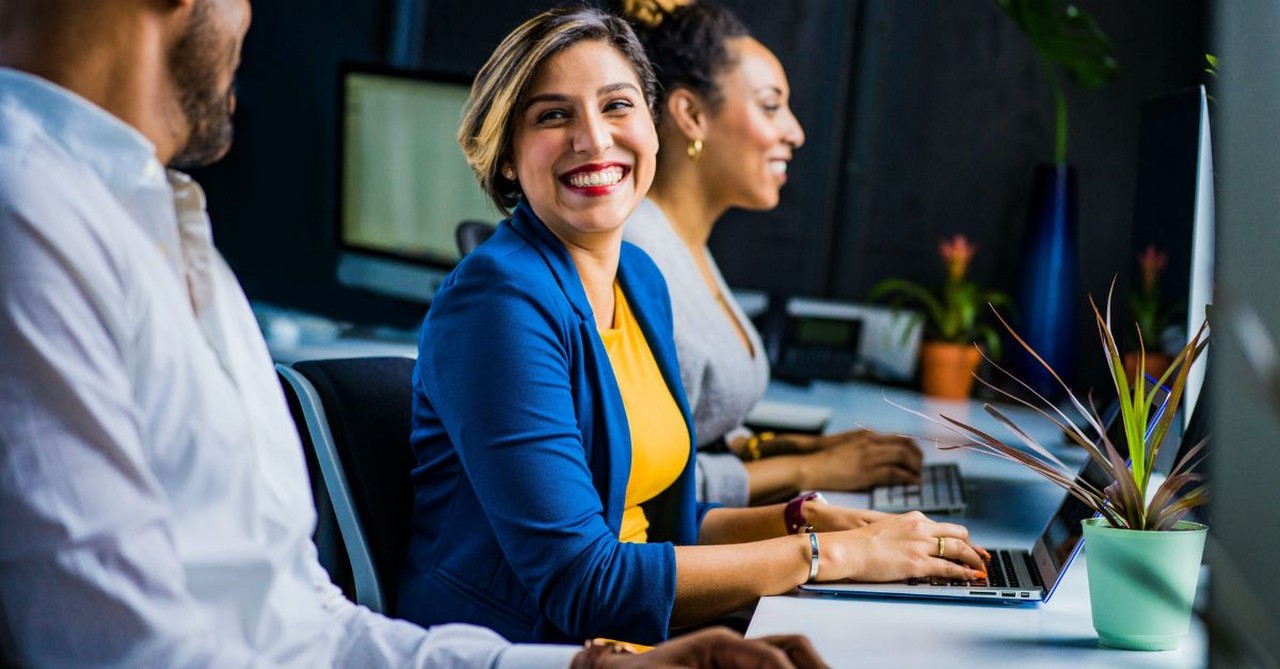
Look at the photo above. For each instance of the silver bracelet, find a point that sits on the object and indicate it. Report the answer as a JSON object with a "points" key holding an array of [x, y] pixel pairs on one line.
{"points": [[813, 557]]}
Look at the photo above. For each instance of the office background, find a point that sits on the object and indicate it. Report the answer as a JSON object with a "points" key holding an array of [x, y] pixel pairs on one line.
{"points": [[924, 118]]}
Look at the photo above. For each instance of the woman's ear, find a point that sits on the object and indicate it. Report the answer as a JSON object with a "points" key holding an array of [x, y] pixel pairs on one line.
{"points": [[688, 112]]}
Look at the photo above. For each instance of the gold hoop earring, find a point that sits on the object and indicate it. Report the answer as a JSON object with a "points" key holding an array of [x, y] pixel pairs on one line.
{"points": [[694, 149]]}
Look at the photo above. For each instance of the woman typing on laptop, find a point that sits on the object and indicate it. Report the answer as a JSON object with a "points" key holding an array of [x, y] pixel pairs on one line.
{"points": [[554, 481], [727, 137]]}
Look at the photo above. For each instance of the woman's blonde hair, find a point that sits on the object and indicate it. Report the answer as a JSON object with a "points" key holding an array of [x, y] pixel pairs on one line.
{"points": [[501, 85]]}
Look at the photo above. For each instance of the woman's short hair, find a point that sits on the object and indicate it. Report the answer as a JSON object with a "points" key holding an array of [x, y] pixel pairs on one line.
{"points": [[687, 42], [501, 86]]}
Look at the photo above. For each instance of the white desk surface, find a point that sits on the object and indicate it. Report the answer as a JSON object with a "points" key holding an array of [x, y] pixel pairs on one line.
{"points": [[1008, 507]]}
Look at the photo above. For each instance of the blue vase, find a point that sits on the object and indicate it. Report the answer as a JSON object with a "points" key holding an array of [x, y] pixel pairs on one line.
{"points": [[1048, 297]]}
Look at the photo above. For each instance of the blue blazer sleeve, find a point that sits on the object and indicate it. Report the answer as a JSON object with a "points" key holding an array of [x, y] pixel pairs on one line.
{"points": [[499, 352]]}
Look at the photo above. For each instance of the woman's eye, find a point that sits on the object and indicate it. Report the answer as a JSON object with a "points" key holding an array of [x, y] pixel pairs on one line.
{"points": [[617, 105], [551, 116], [771, 109]]}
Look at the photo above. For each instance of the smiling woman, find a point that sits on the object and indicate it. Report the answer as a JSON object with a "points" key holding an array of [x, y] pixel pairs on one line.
{"points": [[554, 491], [584, 145]]}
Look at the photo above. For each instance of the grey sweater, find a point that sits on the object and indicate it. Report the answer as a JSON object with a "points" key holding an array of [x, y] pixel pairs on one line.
{"points": [[722, 379]]}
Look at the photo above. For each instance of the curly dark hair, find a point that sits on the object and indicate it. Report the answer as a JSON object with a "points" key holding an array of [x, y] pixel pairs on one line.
{"points": [[688, 47]]}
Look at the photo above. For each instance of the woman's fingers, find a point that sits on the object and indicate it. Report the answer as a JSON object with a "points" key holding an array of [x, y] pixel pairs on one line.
{"points": [[894, 474], [897, 441], [950, 530], [949, 569], [951, 549], [894, 454]]}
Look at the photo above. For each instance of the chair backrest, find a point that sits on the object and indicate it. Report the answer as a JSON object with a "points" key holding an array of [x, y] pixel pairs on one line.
{"points": [[470, 234], [357, 412], [327, 536]]}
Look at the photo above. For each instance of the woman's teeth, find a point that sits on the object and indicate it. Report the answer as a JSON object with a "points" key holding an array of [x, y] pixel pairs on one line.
{"points": [[777, 167], [606, 177]]}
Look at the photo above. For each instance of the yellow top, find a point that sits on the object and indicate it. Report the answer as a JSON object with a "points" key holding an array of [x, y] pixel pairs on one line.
{"points": [[659, 435]]}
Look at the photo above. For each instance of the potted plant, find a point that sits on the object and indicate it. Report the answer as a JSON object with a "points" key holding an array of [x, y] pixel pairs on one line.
{"points": [[1150, 314], [953, 321], [1143, 558], [1067, 43]]}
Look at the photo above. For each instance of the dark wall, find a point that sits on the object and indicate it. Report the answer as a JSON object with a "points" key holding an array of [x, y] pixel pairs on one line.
{"points": [[924, 118], [946, 114]]}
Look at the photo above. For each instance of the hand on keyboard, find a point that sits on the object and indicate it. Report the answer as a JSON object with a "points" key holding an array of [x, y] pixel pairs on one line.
{"points": [[860, 460], [901, 547]]}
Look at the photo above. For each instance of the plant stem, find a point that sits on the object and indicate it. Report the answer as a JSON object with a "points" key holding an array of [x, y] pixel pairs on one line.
{"points": [[1059, 113]]}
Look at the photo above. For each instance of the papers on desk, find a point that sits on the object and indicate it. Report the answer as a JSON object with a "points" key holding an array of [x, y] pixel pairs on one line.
{"points": [[788, 417]]}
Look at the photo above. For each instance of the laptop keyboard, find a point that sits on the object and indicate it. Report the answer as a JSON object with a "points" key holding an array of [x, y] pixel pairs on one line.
{"points": [[940, 490], [1000, 574]]}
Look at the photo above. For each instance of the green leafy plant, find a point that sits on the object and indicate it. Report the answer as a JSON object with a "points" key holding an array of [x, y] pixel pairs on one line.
{"points": [[1065, 38], [951, 314], [1123, 502]]}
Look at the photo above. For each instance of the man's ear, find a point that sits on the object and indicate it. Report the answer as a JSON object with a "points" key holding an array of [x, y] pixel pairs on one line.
{"points": [[688, 112]]}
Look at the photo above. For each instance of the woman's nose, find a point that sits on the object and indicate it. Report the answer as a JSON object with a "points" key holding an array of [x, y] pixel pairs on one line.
{"points": [[593, 135]]}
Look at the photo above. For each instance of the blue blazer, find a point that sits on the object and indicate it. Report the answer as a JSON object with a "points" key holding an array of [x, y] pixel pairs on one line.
{"points": [[524, 452]]}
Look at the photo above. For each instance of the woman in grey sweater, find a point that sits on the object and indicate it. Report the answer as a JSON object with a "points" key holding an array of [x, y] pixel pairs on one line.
{"points": [[727, 136]]}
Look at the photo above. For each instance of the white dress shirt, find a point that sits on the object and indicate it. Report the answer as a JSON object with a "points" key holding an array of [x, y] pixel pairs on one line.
{"points": [[154, 500]]}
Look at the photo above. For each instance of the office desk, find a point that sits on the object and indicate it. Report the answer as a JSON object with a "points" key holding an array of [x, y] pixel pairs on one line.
{"points": [[1008, 506]]}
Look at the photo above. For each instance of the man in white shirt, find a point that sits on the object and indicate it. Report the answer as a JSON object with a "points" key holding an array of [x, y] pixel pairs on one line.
{"points": [[154, 505]]}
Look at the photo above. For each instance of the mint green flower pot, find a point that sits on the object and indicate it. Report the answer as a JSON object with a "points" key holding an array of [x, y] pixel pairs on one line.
{"points": [[1142, 584]]}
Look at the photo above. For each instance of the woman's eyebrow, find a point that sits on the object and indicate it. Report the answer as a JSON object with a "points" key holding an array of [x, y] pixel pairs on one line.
{"points": [[561, 97]]}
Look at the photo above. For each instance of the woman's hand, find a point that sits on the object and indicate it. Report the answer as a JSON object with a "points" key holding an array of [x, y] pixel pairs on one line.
{"points": [[900, 547], [861, 460], [718, 647]]}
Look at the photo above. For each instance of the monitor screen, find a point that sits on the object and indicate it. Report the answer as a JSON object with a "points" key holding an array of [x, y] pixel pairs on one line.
{"points": [[1174, 212], [403, 185]]}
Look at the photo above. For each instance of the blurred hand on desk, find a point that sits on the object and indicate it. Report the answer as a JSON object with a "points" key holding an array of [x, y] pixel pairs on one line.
{"points": [[846, 461], [716, 647]]}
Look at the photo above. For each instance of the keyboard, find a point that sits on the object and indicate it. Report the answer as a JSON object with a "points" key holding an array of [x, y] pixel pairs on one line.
{"points": [[941, 490], [1001, 573]]}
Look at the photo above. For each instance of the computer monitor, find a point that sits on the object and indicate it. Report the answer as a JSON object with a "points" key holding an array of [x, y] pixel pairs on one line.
{"points": [[1174, 210], [403, 184]]}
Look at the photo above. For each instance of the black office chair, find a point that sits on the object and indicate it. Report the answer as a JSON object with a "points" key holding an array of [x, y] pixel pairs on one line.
{"points": [[357, 414], [471, 234]]}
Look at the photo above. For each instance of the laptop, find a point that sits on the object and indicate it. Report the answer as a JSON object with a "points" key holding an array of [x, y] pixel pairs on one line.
{"points": [[1014, 574]]}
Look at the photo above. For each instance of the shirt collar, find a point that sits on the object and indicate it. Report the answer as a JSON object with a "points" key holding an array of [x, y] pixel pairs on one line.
{"points": [[120, 155]]}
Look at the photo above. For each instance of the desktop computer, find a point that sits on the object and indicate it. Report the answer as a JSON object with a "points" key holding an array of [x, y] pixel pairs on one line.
{"points": [[403, 184]]}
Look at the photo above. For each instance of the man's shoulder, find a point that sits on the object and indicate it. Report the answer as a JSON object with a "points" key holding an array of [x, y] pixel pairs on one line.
{"points": [[37, 177], [54, 213]]}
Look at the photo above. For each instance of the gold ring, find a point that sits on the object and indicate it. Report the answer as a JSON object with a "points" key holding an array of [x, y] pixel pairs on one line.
{"points": [[942, 547]]}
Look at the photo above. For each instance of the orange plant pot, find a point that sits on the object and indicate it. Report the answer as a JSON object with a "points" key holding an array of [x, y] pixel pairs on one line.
{"points": [[946, 370], [1157, 363]]}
